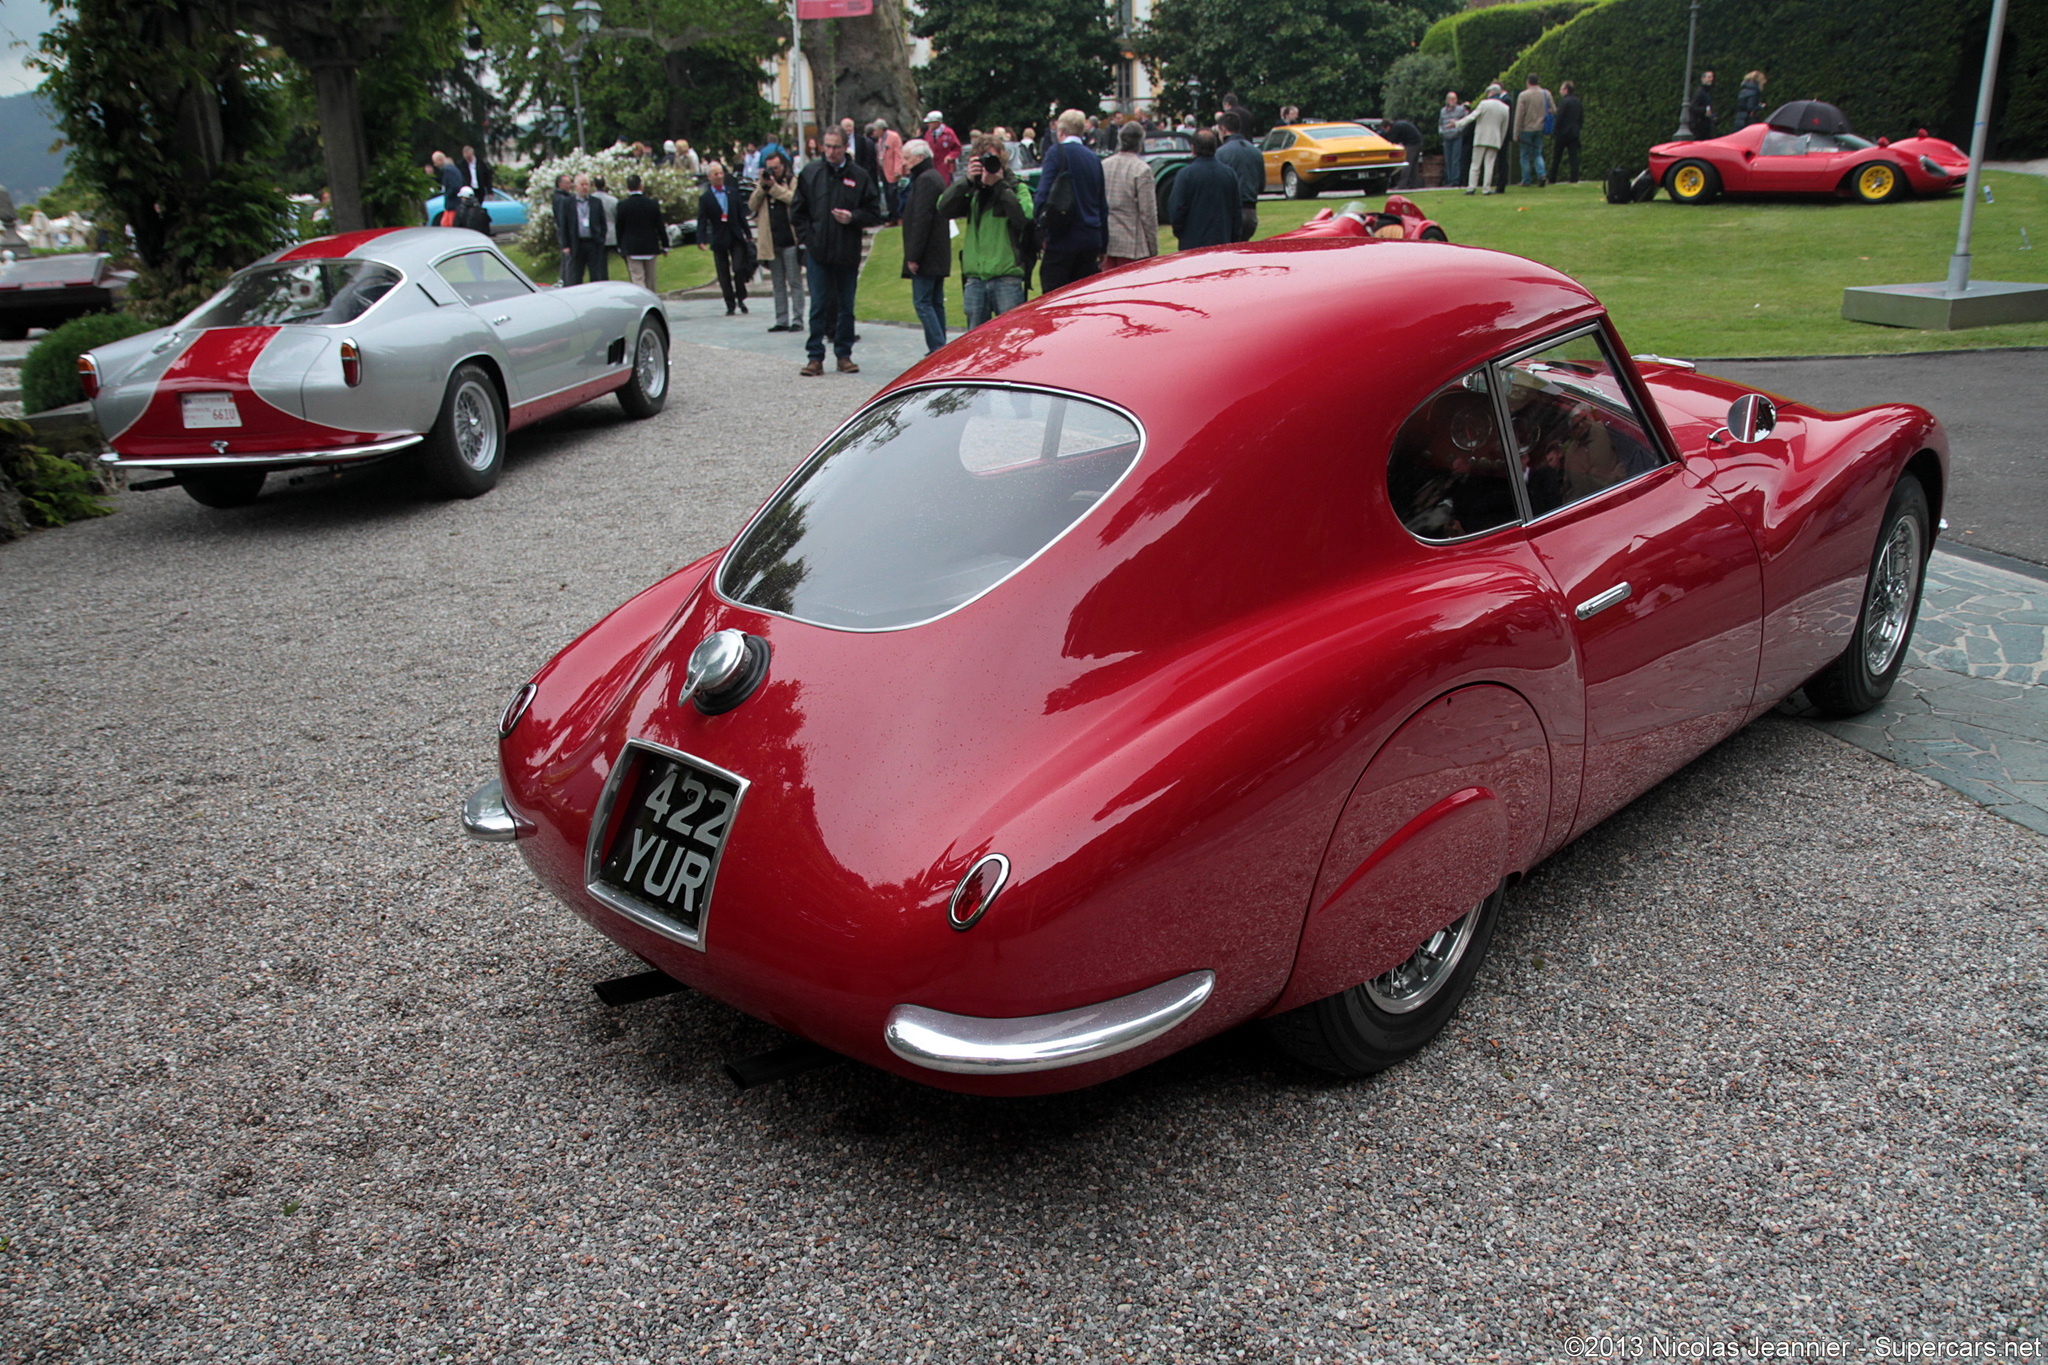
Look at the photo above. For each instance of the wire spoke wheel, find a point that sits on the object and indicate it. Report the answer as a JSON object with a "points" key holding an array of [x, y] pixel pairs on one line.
{"points": [[476, 426], [1414, 983], [1894, 588], [650, 362]]}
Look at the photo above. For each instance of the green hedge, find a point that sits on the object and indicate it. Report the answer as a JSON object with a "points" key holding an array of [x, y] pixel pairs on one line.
{"points": [[1891, 66], [49, 377], [1483, 43]]}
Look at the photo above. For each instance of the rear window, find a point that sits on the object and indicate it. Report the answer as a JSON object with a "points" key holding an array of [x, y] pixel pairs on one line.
{"points": [[1335, 131], [925, 501], [298, 292]]}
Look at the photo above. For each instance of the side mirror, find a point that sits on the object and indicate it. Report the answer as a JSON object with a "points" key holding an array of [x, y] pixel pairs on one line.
{"points": [[1751, 418]]}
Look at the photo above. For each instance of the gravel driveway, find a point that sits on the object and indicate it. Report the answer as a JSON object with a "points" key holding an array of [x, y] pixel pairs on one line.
{"points": [[290, 1073]]}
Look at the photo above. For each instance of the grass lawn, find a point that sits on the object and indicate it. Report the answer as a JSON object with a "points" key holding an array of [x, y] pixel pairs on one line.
{"points": [[683, 267], [1728, 279]]}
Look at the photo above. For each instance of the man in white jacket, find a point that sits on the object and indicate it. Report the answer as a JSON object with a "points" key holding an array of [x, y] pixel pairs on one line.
{"points": [[1489, 123]]}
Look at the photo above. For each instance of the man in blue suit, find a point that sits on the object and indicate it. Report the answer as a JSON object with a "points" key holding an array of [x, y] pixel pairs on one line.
{"points": [[1074, 229]]}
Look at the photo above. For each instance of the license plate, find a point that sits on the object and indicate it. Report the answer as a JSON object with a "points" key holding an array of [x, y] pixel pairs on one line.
{"points": [[203, 410], [674, 816]]}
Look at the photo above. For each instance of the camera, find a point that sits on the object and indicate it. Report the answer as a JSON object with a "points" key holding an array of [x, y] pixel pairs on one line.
{"points": [[991, 164]]}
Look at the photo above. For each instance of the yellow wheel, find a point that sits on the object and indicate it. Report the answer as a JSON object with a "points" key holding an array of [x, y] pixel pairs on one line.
{"points": [[1693, 182], [1876, 182]]}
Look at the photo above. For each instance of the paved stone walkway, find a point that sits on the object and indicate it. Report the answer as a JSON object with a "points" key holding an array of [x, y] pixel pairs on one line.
{"points": [[1971, 708]]}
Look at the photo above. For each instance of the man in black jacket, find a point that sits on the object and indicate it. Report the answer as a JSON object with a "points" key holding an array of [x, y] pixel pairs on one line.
{"points": [[565, 194], [643, 234], [1571, 117], [835, 203], [862, 149], [1699, 114], [1205, 199], [580, 228], [927, 251], [470, 214], [722, 230]]}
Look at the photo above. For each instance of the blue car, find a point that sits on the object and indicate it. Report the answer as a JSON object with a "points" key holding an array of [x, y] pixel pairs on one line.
{"points": [[507, 214]]}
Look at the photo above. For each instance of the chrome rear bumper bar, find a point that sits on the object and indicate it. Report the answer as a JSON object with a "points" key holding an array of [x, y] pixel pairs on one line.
{"points": [[486, 818], [269, 459], [973, 1046]]}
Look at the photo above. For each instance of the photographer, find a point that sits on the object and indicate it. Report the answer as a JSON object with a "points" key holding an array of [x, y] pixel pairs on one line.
{"points": [[996, 245], [769, 204]]}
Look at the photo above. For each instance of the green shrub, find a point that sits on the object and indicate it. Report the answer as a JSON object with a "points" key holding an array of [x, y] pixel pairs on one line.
{"points": [[1483, 43], [52, 489], [1891, 66], [1414, 89], [49, 377]]}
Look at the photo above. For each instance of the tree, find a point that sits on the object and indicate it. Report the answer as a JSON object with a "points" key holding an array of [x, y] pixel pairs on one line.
{"points": [[860, 68], [1415, 88], [995, 63], [169, 111], [334, 40], [1328, 56]]}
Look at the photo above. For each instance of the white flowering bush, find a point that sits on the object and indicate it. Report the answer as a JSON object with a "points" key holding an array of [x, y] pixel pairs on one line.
{"points": [[672, 186]]}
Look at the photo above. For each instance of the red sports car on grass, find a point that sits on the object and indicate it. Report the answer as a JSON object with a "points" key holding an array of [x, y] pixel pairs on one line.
{"points": [[1399, 221], [357, 347], [1806, 148], [1096, 688]]}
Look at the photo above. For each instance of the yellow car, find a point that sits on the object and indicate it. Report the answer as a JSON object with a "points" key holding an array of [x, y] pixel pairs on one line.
{"points": [[1304, 159]]}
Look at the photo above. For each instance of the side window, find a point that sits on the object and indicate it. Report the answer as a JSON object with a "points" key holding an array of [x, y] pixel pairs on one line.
{"points": [[479, 277], [1576, 429], [1817, 143], [1448, 474], [1274, 141], [1783, 144]]}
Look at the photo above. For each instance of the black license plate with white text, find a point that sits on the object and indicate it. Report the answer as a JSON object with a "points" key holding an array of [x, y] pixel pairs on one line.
{"points": [[675, 822]]}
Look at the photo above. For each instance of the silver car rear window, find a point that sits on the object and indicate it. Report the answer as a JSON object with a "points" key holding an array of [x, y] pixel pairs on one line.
{"points": [[925, 501], [297, 293]]}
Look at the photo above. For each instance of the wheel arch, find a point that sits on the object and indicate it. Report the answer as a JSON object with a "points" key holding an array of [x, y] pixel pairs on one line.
{"points": [[488, 363], [1926, 467]]}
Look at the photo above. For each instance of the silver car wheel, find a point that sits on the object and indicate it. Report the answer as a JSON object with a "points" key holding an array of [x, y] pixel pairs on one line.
{"points": [[1894, 588], [476, 425], [650, 363], [1411, 985]]}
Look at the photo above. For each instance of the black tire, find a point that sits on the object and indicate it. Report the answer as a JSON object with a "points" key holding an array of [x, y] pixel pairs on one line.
{"points": [[221, 487], [1875, 182], [647, 390], [1863, 676], [1352, 1034], [464, 453], [1434, 234], [1693, 182]]}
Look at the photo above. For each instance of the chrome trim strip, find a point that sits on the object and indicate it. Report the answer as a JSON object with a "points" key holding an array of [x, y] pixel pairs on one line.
{"points": [[971, 1046], [272, 458], [1593, 606], [1144, 443], [487, 819], [1645, 358], [593, 849]]}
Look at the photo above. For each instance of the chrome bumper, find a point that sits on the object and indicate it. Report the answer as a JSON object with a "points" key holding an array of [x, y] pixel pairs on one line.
{"points": [[272, 459], [486, 818], [972, 1046]]}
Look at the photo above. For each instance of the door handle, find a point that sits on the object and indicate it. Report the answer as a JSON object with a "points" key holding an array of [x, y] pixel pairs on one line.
{"points": [[502, 317], [1593, 606]]}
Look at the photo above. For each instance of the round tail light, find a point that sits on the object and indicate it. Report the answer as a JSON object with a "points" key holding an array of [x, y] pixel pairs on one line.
{"points": [[89, 376], [351, 364]]}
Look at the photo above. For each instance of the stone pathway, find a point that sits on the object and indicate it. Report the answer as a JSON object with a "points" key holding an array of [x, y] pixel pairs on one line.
{"points": [[1971, 708]]}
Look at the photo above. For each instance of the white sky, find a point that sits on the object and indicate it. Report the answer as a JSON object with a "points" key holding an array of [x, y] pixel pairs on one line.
{"points": [[21, 22]]}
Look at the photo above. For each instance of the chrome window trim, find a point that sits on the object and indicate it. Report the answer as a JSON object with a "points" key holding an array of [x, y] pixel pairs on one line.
{"points": [[1144, 444], [593, 850], [403, 280], [471, 249]]}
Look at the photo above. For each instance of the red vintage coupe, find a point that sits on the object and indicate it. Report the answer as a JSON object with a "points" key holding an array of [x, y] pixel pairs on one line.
{"points": [[1399, 221], [1806, 148], [1097, 688]]}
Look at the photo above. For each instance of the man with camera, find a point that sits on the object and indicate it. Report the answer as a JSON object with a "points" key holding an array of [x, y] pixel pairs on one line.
{"points": [[770, 206], [996, 243]]}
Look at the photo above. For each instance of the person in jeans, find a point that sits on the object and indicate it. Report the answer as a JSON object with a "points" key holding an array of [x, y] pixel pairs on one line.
{"points": [[643, 236], [1131, 199], [834, 205], [1533, 108], [995, 241], [927, 253], [1457, 142], [770, 206], [1071, 249]]}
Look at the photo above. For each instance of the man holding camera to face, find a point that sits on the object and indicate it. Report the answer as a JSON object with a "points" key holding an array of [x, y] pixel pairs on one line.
{"points": [[996, 241]]}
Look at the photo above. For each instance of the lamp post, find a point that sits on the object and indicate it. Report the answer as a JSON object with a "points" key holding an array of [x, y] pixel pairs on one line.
{"points": [[587, 16], [1692, 33]]}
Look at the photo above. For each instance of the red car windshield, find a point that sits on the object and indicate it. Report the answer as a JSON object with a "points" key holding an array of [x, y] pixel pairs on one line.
{"points": [[298, 293]]}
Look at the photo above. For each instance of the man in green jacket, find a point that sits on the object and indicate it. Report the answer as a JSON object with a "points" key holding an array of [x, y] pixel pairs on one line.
{"points": [[996, 252]]}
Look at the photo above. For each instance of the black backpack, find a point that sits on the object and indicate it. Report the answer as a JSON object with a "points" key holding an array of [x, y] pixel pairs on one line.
{"points": [[1644, 188], [1618, 191]]}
